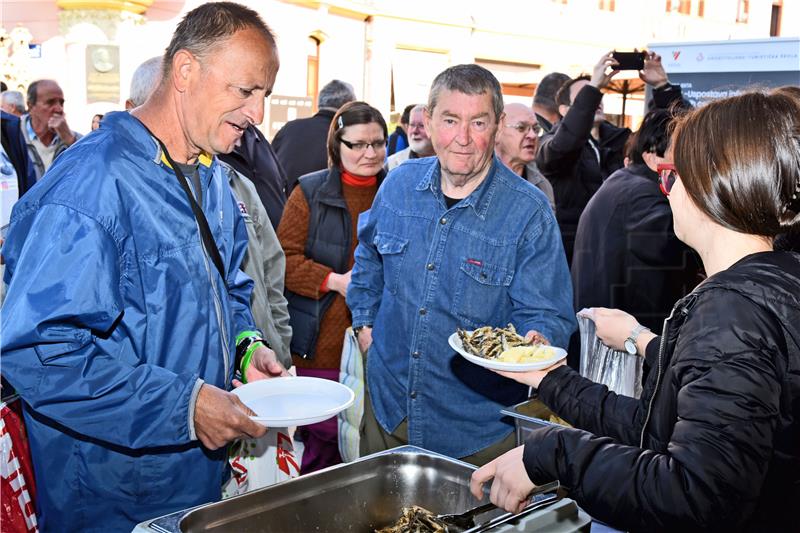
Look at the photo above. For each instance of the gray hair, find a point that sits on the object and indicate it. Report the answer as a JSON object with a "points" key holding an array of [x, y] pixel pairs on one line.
{"points": [[335, 94], [33, 91], [467, 79], [15, 99], [208, 25], [145, 80]]}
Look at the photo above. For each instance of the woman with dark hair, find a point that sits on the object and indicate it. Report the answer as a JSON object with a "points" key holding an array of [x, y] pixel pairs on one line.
{"points": [[714, 442], [318, 235], [96, 121]]}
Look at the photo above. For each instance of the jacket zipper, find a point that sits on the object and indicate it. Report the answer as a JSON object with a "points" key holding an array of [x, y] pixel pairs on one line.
{"points": [[217, 308], [661, 345]]}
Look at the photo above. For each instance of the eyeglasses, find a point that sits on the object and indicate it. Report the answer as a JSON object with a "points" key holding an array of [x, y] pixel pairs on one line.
{"points": [[523, 127], [362, 147], [667, 174]]}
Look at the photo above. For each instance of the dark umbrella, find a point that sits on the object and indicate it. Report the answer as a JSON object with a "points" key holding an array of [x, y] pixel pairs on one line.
{"points": [[625, 87]]}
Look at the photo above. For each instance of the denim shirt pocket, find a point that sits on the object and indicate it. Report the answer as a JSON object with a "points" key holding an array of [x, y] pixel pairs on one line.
{"points": [[392, 249], [480, 291]]}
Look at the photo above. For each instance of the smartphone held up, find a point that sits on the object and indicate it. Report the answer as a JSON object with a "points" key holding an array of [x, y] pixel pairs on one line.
{"points": [[629, 60]]}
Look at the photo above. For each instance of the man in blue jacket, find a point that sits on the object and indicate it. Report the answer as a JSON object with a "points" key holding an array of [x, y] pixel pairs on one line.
{"points": [[123, 313]]}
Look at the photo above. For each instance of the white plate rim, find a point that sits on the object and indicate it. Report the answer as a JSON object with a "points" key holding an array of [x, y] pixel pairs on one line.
{"points": [[294, 421], [455, 343]]}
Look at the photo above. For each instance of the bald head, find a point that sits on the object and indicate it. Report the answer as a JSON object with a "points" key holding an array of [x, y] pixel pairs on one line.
{"points": [[518, 139]]}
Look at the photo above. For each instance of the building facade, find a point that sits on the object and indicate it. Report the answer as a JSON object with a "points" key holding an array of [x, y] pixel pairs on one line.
{"points": [[389, 50]]}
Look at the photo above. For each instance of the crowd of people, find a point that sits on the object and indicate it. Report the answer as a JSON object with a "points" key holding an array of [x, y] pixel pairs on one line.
{"points": [[174, 253]]}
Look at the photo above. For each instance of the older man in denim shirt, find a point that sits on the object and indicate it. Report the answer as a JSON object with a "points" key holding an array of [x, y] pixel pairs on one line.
{"points": [[453, 241]]}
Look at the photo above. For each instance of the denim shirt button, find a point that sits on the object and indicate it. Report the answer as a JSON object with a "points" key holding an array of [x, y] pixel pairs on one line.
{"points": [[443, 221], [415, 355], [423, 311], [413, 394], [429, 266]]}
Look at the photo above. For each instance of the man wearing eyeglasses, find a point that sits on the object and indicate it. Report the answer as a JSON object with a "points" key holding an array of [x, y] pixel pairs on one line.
{"points": [[419, 144], [516, 145], [453, 241]]}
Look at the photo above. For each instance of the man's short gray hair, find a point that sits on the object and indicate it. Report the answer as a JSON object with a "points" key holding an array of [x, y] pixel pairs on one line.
{"points": [[145, 80], [15, 99], [335, 94], [33, 91], [467, 79], [208, 25]]}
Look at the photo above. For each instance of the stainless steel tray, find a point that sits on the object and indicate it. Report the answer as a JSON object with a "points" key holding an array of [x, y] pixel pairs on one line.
{"points": [[356, 497]]}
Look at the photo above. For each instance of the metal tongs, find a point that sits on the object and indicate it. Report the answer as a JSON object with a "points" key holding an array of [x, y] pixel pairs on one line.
{"points": [[466, 520]]}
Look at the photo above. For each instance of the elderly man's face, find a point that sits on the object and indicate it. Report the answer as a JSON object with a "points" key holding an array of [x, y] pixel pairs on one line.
{"points": [[462, 128], [49, 103], [226, 93], [417, 136], [517, 141]]}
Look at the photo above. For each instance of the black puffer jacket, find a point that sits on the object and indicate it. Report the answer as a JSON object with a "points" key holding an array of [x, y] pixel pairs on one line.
{"points": [[570, 163], [719, 416]]}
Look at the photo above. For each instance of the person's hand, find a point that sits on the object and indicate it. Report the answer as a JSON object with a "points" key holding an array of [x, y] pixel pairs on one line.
{"points": [[511, 486], [58, 123], [613, 326], [534, 336], [220, 417], [531, 378], [339, 282], [600, 78], [653, 73], [364, 339], [264, 364]]}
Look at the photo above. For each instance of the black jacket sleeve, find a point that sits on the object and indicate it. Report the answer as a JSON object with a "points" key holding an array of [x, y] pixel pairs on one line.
{"points": [[591, 406], [670, 96], [565, 145], [725, 376]]}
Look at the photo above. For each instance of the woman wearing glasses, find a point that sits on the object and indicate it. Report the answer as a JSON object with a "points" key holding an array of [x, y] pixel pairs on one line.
{"points": [[318, 235], [714, 442]]}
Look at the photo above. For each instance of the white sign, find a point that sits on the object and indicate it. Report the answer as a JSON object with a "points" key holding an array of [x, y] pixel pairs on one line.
{"points": [[758, 55]]}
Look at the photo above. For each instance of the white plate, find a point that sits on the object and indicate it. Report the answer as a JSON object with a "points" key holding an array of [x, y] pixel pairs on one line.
{"points": [[493, 364], [294, 401]]}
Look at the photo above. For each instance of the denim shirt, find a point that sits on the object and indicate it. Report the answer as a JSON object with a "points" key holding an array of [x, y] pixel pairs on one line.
{"points": [[422, 270]]}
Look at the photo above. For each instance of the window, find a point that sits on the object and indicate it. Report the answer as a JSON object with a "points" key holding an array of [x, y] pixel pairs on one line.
{"points": [[312, 69], [607, 5], [743, 13], [684, 7], [775, 20]]}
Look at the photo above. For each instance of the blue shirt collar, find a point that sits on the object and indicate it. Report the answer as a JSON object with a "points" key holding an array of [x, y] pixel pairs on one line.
{"points": [[26, 119], [479, 200]]}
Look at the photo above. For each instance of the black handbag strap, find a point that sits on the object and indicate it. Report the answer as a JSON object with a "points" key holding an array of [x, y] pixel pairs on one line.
{"points": [[205, 231]]}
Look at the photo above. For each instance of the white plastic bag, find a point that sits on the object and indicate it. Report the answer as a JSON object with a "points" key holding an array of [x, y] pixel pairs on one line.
{"points": [[259, 463], [351, 373], [620, 371]]}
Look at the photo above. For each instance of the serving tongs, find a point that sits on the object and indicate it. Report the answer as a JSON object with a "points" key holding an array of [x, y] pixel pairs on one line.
{"points": [[463, 522]]}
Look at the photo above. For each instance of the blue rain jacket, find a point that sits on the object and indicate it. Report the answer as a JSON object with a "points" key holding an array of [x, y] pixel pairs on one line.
{"points": [[114, 318]]}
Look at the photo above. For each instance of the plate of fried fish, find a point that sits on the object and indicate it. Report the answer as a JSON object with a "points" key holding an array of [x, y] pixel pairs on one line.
{"points": [[504, 349]]}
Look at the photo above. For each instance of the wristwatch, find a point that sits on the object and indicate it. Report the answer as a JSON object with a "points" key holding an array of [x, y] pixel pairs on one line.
{"points": [[630, 342], [357, 329]]}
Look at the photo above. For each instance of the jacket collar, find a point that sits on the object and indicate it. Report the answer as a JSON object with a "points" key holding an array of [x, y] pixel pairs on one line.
{"points": [[331, 190], [480, 199], [640, 169], [142, 136]]}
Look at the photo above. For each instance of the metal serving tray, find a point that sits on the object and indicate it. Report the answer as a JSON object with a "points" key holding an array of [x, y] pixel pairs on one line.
{"points": [[359, 497], [529, 416]]}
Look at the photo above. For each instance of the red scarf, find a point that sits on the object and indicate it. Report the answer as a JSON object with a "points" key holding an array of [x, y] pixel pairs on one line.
{"points": [[358, 181]]}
